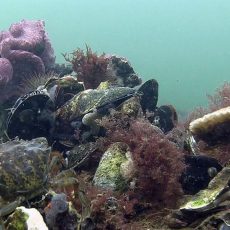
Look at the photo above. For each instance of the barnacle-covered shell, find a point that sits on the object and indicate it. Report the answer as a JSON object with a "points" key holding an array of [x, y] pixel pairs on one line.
{"points": [[90, 100], [80, 153], [23, 167], [63, 89]]}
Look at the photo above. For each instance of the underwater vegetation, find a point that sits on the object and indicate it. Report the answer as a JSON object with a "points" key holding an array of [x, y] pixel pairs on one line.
{"points": [[93, 69], [86, 145], [90, 68], [220, 99], [158, 162]]}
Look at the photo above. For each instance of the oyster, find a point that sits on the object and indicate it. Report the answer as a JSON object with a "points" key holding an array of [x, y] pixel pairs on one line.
{"points": [[80, 113], [23, 171], [80, 154], [91, 100]]}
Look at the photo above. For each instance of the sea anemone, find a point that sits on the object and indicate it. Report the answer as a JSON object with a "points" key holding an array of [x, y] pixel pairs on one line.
{"points": [[30, 84]]}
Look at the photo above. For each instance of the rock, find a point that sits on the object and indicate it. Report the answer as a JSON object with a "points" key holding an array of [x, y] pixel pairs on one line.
{"points": [[26, 218], [121, 72], [58, 205], [60, 214], [115, 169]]}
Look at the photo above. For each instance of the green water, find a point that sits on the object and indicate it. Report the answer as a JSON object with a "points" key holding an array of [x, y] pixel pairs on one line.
{"points": [[184, 44]]}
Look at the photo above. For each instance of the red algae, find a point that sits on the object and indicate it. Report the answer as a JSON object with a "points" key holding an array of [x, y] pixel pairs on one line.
{"points": [[221, 98], [158, 162], [89, 67]]}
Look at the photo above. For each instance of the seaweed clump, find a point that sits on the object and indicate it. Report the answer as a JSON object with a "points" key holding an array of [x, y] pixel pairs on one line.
{"points": [[220, 99], [112, 210], [89, 67], [158, 162]]}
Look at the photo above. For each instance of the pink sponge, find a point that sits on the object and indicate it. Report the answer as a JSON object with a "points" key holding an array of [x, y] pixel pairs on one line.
{"points": [[6, 71]]}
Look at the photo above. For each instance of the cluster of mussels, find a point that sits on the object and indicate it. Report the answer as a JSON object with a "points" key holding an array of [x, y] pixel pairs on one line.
{"points": [[62, 116], [54, 129]]}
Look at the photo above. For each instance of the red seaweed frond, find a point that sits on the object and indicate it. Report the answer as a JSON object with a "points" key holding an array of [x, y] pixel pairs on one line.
{"points": [[221, 98], [90, 67], [158, 161]]}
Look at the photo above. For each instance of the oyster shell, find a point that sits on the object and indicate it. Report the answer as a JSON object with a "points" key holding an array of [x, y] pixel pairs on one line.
{"points": [[93, 99], [77, 118], [23, 171]]}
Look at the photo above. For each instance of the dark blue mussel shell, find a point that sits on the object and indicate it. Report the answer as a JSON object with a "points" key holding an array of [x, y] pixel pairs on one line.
{"points": [[31, 116], [197, 173]]}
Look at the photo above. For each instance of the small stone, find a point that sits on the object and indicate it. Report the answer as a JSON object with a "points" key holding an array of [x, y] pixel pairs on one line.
{"points": [[26, 218]]}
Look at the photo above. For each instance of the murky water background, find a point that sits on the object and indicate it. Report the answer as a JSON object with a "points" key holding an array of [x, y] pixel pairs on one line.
{"points": [[183, 44]]}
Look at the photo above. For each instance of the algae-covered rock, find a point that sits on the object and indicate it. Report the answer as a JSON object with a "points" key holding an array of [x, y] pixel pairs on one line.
{"points": [[115, 168], [25, 218], [131, 107]]}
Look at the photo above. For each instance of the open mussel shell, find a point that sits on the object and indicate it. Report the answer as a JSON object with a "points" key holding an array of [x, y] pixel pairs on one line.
{"points": [[199, 171], [31, 116], [205, 207], [214, 197]]}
